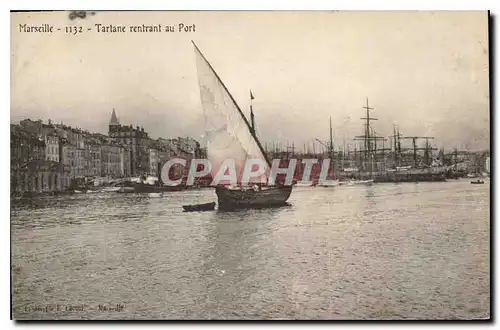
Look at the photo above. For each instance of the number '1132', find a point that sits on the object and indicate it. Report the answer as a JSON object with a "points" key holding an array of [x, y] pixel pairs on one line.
{"points": [[73, 29]]}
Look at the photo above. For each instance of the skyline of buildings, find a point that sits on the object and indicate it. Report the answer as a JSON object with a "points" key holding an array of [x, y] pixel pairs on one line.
{"points": [[53, 157], [48, 157]]}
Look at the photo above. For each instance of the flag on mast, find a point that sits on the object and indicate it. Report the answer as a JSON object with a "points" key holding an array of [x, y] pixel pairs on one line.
{"points": [[251, 95]]}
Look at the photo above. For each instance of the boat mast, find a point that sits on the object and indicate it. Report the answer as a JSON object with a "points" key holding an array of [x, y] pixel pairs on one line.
{"points": [[399, 148], [367, 138], [236, 105], [368, 144], [252, 117], [343, 154], [395, 147], [332, 165]]}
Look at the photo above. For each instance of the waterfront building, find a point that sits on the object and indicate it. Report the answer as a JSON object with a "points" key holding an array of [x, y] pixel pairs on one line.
{"points": [[74, 152], [25, 147], [79, 157], [153, 162], [187, 145], [111, 160], [136, 139], [94, 159], [51, 147], [126, 161], [31, 169], [127, 151], [50, 176], [69, 158]]}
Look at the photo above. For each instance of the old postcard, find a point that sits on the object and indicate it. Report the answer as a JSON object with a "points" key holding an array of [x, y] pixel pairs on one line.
{"points": [[251, 165]]}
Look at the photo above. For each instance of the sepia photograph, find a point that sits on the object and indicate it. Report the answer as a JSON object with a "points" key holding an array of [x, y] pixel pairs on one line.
{"points": [[250, 165]]}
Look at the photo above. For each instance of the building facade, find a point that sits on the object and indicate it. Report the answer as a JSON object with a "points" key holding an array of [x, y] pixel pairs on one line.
{"points": [[111, 160], [52, 147], [137, 141], [52, 157], [153, 161], [32, 171], [93, 159]]}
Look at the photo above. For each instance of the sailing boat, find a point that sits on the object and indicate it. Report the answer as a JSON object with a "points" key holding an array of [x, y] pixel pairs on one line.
{"points": [[333, 183], [230, 136]]}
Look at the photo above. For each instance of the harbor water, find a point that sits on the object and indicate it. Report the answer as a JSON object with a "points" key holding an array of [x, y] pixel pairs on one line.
{"points": [[386, 251]]}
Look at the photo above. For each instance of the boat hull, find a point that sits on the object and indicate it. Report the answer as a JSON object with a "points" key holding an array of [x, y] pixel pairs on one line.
{"points": [[110, 189], [361, 182], [146, 188], [477, 182], [126, 190], [199, 207], [229, 199]]}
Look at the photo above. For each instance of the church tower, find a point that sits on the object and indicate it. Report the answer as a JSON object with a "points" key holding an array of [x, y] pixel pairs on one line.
{"points": [[114, 124]]}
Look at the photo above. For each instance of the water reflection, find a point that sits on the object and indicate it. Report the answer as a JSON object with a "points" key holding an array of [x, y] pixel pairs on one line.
{"points": [[238, 244], [370, 191]]}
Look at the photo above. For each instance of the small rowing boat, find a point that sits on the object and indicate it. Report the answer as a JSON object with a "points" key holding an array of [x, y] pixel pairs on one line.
{"points": [[199, 207]]}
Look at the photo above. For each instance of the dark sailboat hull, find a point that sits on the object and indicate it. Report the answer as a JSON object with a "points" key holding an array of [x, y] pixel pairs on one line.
{"points": [[240, 199], [147, 188]]}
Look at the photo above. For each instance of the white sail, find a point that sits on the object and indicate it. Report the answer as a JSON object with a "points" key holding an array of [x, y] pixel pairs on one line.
{"points": [[227, 132]]}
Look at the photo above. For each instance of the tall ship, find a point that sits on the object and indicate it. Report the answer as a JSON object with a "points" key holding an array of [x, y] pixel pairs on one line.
{"points": [[229, 135], [380, 164]]}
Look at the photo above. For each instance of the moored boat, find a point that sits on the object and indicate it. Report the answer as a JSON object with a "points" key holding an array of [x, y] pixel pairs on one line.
{"points": [[360, 182], [333, 183], [126, 190], [477, 182], [110, 189], [149, 188]]}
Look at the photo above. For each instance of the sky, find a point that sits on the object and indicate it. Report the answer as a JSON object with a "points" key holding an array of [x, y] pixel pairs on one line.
{"points": [[426, 72]]}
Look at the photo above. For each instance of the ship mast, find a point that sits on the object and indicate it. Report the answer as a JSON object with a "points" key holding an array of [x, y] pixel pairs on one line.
{"points": [[332, 164], [368, 144], [367, 137], [252, 117]]}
